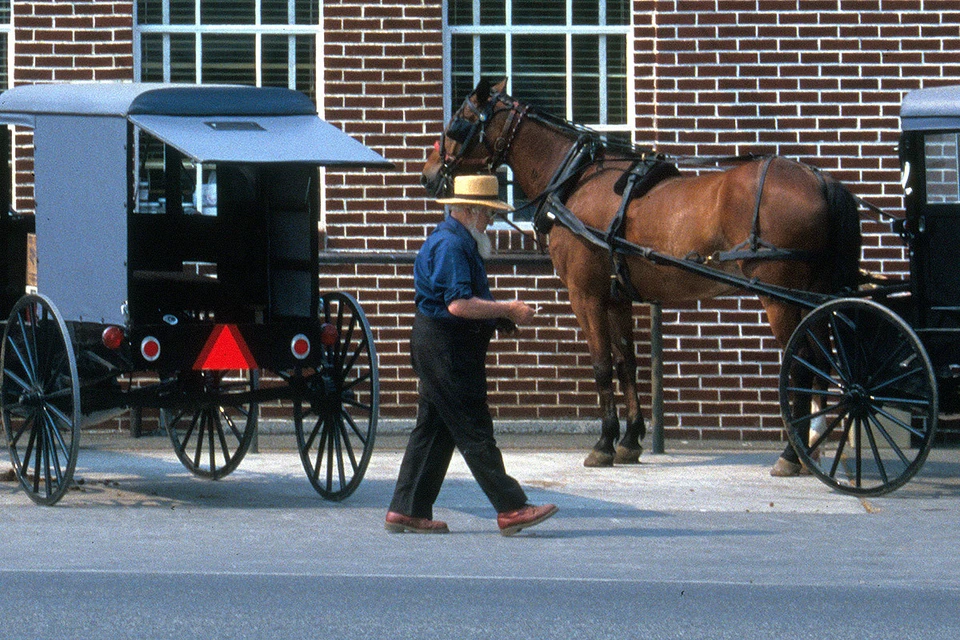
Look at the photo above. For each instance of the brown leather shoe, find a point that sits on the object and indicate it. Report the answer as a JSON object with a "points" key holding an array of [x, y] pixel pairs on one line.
{"points": [[511, 522], [399, 523]]}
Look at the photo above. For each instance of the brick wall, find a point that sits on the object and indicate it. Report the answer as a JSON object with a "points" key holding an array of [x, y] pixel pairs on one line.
{"points": [[814, 80], [60, 41]]}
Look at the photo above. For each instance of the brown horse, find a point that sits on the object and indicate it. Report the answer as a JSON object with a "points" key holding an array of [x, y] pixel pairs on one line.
{"points": [[770, 203]]}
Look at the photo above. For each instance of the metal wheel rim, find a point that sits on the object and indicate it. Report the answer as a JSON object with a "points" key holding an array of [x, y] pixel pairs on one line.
{"points": [[211, 438], [330, 435], [40, 399], [879, 396]]}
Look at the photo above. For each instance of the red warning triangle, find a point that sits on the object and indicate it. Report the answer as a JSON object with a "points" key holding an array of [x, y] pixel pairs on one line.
{"points": [[225, 349]]}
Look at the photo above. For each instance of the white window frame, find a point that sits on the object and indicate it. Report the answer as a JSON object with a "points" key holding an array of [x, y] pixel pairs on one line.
{"points": [[258, 30], [568, 30]]}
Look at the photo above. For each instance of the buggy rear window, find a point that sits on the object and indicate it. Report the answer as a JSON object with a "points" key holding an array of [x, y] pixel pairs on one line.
{"points": [[942, 173]]}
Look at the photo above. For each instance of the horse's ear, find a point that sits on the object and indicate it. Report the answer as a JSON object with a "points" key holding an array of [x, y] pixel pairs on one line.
{"points": [[482, 92], [501, 86]]}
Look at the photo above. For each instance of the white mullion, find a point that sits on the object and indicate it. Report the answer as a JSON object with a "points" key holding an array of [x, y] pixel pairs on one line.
{"points": [[475, 10], [166, 55], [320, 92], [568, 61], [602, 69], [197, 45], [292, 48], [602, 78], [257, 44], [508, 43]]}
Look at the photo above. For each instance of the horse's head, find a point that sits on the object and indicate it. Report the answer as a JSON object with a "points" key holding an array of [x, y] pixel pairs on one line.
{"points": [[470, 144]]}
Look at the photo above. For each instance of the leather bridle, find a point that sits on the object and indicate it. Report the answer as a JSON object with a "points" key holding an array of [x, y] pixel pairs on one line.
{"points": [[468, 133]]}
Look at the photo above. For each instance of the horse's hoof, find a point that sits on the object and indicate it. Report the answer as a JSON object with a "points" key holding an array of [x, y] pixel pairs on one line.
{"points": [[598, 459], [783, 468], [627, 456]]}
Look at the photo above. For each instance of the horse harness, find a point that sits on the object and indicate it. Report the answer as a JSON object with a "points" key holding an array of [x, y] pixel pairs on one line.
{"points": [[636, 181], [643, 174]]}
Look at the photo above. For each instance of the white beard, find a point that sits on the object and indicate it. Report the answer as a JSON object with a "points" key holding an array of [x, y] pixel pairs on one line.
{"points": [[484, 245]]}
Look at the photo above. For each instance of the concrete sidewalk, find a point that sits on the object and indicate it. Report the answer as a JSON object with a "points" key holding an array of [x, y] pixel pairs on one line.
{"points": [[690, 477]]}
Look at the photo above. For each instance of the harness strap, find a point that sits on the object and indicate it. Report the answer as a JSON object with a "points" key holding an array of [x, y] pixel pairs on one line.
{"points": [[507, 134], [755, 228], [620, 282], [582, 154]]}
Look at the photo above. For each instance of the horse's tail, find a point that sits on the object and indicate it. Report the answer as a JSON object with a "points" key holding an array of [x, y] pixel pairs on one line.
{"points": [[845, 236]]}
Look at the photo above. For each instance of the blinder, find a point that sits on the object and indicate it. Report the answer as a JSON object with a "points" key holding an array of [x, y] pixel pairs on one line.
{"points": [[467, 133], [461, 130]]}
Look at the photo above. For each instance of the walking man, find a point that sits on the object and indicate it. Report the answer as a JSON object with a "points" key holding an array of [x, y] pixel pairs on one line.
{"points": [[455, 320]]}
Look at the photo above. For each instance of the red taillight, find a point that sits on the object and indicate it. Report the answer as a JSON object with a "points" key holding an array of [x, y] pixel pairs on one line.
{"points": [[112, 337], [300, 346], [328, 335], [150, 348]]}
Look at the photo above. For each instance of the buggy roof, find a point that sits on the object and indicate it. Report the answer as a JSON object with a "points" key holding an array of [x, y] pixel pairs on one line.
{"points": [[937, 108], [208, 123]]}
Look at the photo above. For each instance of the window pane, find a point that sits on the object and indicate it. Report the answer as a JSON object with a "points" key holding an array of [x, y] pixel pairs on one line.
{"points": [[460, 12], [274, 11], [618, 12], [538, 12], [183, 12], [493, 58], [616, 80], [151, 57], [308, 11], [586, 79], [943, 173], [461, 65], [227, 12], [4, 76], [305, 72], [539, 71], [183, 58], [274, 67], [229, 58], [493, 12], [149, 11], [586, 12]]}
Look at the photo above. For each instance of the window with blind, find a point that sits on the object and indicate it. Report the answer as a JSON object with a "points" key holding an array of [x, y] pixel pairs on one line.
{"points": [[264, 43], [255, 42], [568, 57]]}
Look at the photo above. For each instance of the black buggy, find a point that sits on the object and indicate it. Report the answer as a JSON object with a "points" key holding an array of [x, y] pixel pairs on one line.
{"points": [[177, 269]]}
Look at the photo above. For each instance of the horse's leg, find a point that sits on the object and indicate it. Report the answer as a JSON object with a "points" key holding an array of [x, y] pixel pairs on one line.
{"points": [[784, 319], [625, 363], [592, 315]]}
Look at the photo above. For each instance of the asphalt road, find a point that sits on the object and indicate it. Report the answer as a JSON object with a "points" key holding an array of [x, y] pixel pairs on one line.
{"points": [[694, 544]]}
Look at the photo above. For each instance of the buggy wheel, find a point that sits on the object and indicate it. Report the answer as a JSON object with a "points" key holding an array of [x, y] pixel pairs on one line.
{"points": [[212, 432], [858, 397], [336, 406], [40, 398]]}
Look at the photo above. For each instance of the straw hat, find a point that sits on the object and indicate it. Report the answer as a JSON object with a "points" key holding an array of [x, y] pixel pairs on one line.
{"points": [[477, 190]]}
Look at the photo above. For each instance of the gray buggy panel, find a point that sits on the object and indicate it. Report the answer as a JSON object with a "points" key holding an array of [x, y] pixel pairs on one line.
{"points": [[931, 109]]}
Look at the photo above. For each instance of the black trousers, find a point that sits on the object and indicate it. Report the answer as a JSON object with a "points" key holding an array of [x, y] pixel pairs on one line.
{"points": [[449, 358]]}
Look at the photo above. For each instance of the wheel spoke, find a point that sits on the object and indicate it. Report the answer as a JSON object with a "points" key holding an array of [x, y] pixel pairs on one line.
{"points": [[889, 439]]}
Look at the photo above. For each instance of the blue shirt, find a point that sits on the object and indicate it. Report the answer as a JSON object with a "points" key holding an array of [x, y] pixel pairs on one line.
{"points": [[448, 267]]}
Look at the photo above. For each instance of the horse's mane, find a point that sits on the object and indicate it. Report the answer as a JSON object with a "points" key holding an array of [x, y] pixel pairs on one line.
{"points": [[576, 130]]}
